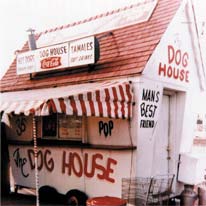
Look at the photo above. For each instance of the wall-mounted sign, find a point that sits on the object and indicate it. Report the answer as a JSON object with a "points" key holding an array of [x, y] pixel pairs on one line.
{"points": [[70, 54], [82, 52], [53, 57], [26, 62], [149, 106]]}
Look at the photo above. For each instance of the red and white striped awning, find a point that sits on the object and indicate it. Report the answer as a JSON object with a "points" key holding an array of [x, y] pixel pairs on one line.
{"points": [[102, 99]]}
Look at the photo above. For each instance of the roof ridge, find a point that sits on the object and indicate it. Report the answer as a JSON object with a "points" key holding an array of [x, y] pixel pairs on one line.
{"points": [[93, 17]]}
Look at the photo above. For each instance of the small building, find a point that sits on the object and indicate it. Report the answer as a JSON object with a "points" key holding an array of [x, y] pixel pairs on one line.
{"points": [[111, 97]]}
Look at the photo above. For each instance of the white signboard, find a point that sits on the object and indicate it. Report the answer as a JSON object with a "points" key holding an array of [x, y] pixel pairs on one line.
{"points": [[82, 52], [53, 57], [70, 54], [26, 62]]}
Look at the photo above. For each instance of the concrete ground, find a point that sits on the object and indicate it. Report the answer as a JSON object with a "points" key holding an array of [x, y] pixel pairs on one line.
{"points": [[18, 200], [22, 200], [24, 197]]}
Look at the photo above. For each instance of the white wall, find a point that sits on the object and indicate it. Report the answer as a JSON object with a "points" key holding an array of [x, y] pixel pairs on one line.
{"points": [[178, 50]]}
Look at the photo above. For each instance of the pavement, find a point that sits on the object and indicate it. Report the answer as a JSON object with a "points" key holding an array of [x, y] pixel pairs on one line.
{"points": [[18, 200], [24, 197]]}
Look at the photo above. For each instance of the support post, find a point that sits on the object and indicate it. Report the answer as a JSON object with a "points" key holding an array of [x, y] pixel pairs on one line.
{"points": [[35, 160]]}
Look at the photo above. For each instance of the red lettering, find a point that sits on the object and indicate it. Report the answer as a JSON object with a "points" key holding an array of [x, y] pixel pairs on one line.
{"points": [[178, 57], [185, 58], [176, 73], [171, 54], [187, 76], [77, 165], [109, 170], [162, 69], [86, 164], [182, 73], [173, 72], [98, 166], [169, 71], [180, 60], [66, 164]]}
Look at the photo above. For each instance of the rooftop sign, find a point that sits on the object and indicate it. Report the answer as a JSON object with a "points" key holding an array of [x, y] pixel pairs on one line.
{"points": [[135, 14], [70, 54]]}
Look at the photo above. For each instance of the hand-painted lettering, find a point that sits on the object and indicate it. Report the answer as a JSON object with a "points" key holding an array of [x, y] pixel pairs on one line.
{"points": [[99, 167], [148, 107], [49, 162], [20, 161], [177, 56], [77, 165], [176, 67], [43, 159], [109, 169], [106, 128], [21, 125], [148, 110], [72, 163]]}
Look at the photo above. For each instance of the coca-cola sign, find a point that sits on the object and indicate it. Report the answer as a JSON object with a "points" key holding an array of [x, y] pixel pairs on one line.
{"points": [[50, 62]]}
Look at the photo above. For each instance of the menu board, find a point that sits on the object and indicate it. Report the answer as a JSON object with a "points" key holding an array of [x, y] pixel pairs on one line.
{"points": [[70, 127]]}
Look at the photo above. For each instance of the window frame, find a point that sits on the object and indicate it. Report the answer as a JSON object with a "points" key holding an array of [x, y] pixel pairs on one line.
{"points": [[82, 138]]}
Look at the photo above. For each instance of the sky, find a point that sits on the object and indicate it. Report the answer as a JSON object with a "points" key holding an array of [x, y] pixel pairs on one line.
{"points": [[17, 16]]}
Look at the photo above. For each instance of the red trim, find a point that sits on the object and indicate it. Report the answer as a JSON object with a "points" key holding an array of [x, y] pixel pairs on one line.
{"points": [[107, 102], [115, 102], [98, 99], [122, 101], [83, 106], [73, 104], [62, 105], [51, 106]]}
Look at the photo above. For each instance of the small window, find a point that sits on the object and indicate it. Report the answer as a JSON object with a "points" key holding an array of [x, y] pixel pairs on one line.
{"points": [[63, 127], [49, 126]]}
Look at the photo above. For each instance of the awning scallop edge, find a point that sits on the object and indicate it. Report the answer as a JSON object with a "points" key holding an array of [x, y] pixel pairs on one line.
{"points": [[102, 99]]}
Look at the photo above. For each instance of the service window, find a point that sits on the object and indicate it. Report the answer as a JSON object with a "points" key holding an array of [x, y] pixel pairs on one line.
{"points": [[63, 127], [71, 127]]}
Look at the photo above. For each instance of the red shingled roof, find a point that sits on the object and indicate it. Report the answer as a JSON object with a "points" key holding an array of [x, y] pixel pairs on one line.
{"points": [[124, 53]]}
